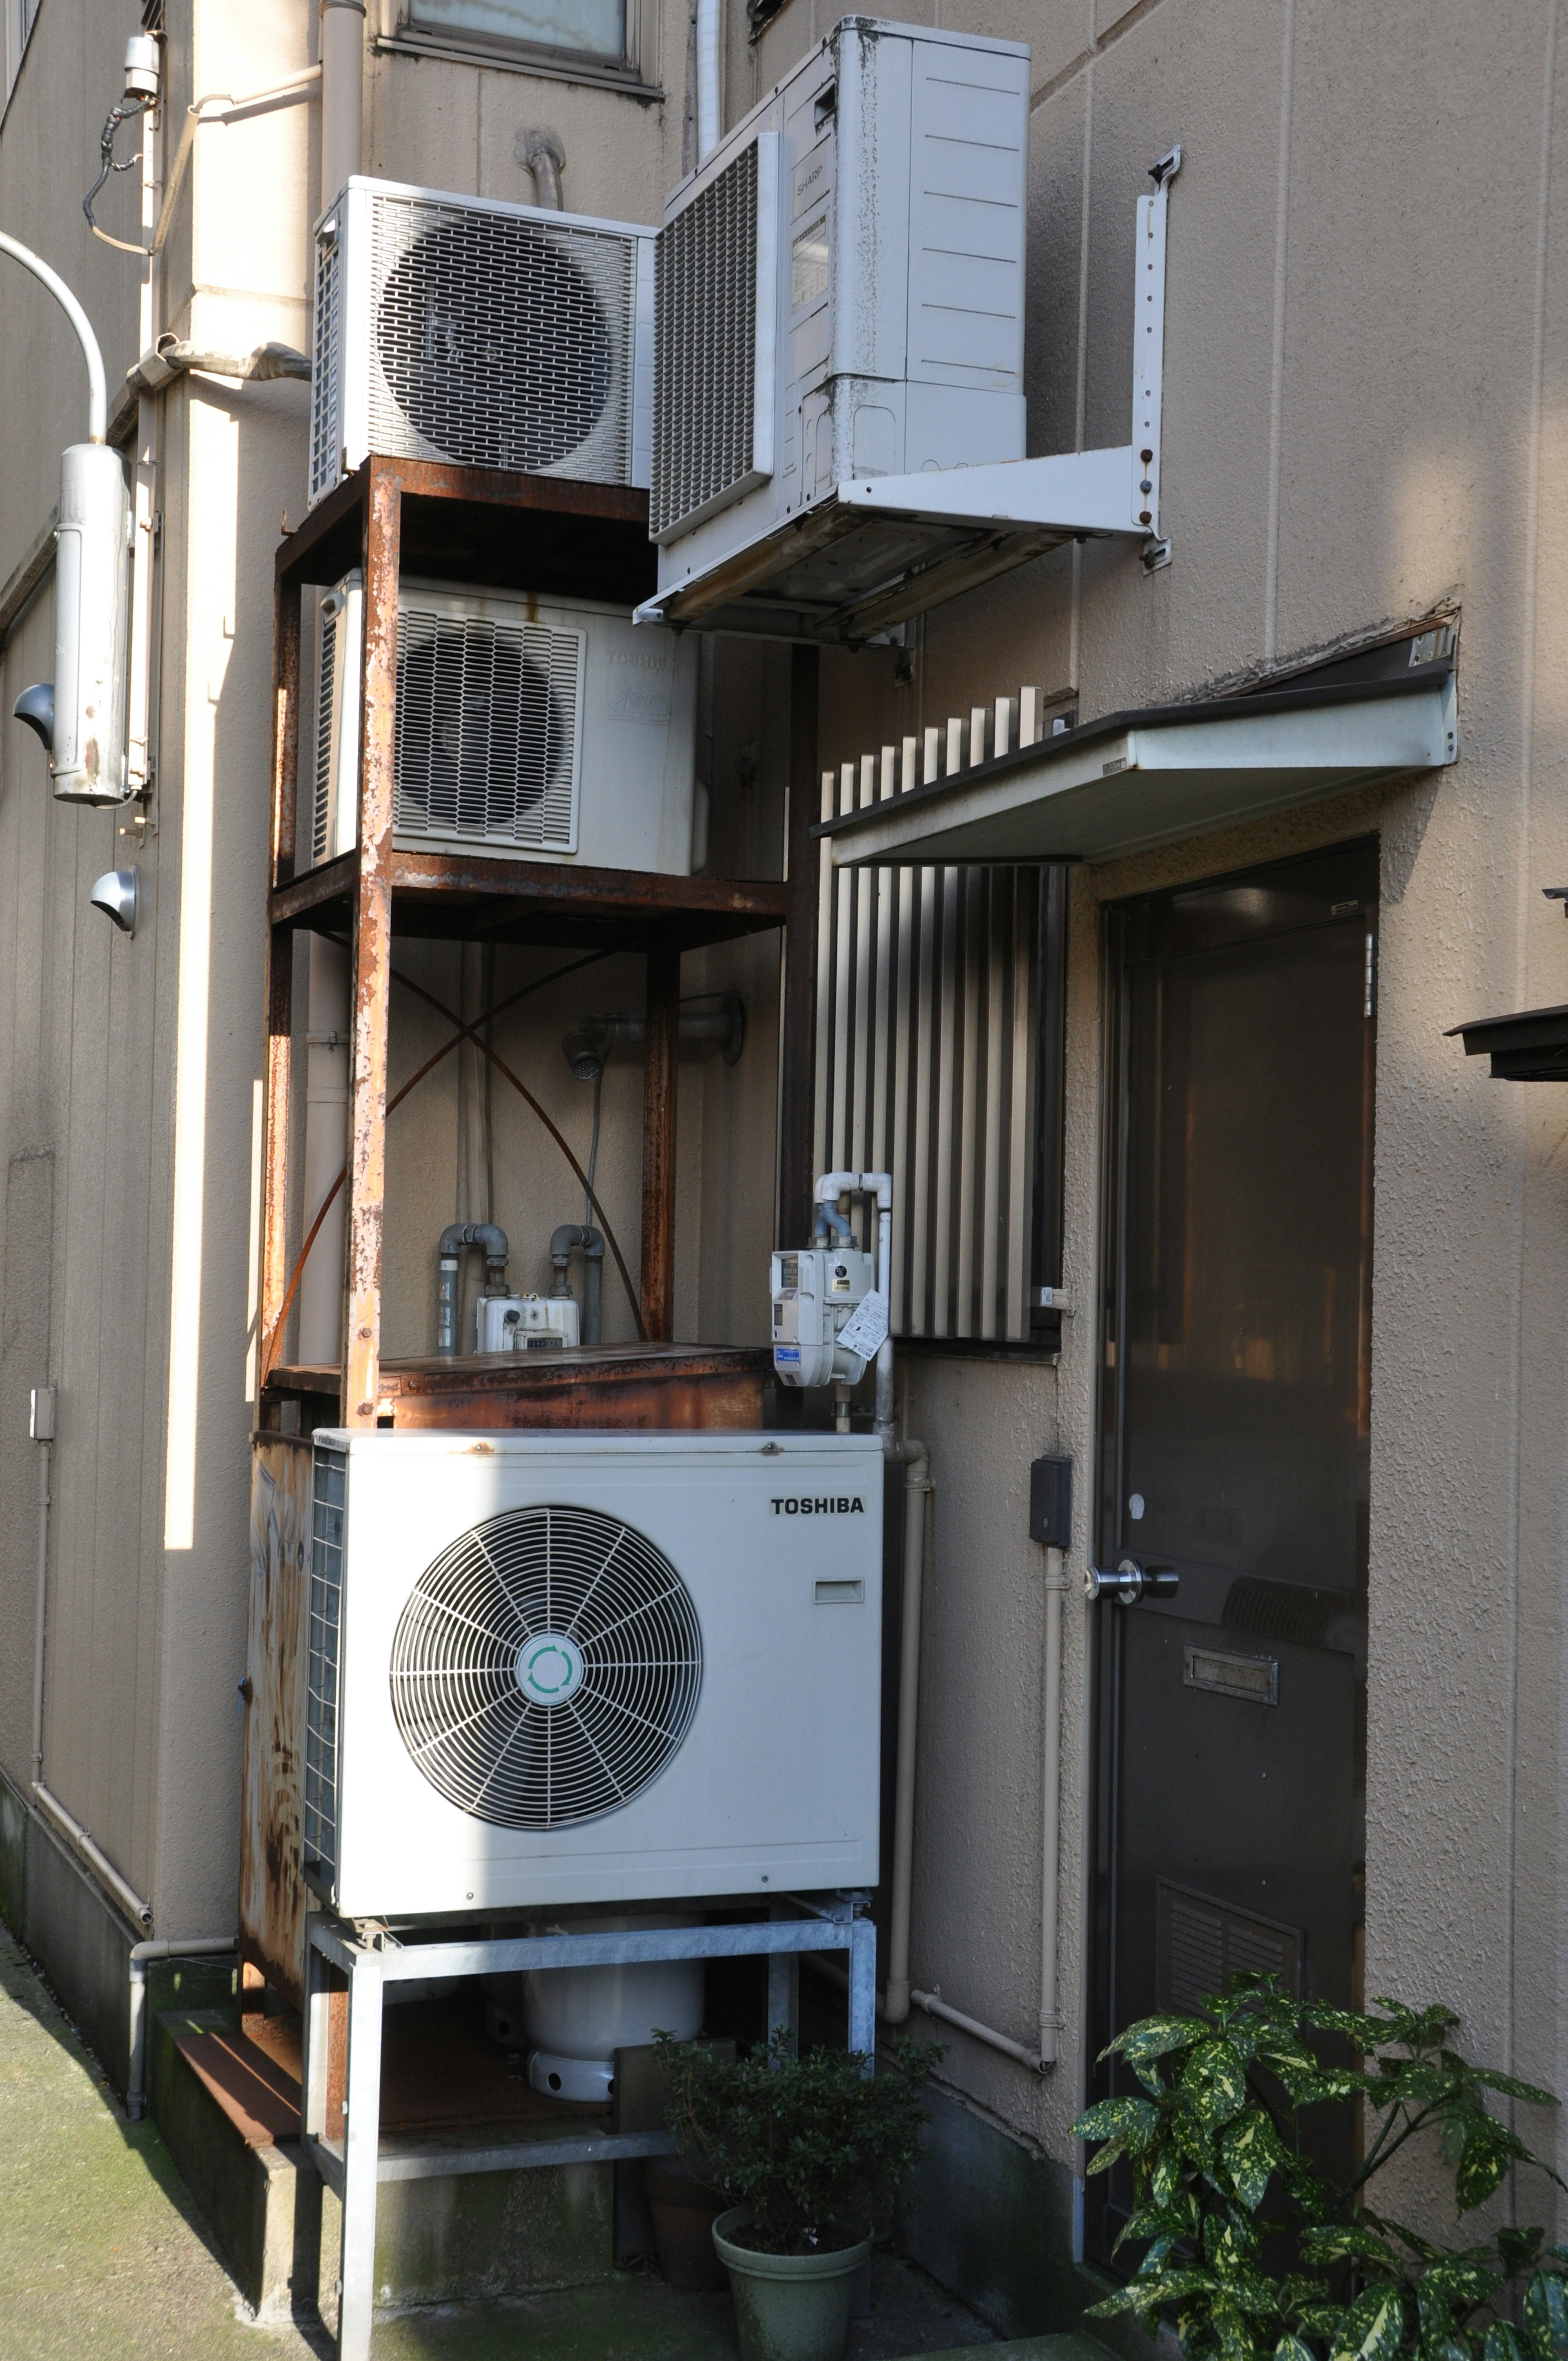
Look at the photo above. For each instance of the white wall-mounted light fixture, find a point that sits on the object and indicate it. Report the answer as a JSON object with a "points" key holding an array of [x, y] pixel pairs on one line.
{"points": [[81, 717], [115, 895]]}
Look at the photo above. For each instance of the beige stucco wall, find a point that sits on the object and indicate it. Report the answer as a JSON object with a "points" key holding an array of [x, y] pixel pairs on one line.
{"points": [[1365, 417]]}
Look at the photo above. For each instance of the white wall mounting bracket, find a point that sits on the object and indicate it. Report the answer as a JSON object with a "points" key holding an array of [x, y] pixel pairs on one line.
{"points": [[883, 548]]}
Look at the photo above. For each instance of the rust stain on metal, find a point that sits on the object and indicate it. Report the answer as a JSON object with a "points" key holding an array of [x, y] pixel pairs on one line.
{"points": [[372, 949], [660, 1039], [272, 1895], [279, 983]]}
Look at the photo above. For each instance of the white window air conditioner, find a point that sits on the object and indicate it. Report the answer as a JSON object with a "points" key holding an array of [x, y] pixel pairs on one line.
{"points": [[589, 1667], [543, 728], [494, 335], [840, 289]]}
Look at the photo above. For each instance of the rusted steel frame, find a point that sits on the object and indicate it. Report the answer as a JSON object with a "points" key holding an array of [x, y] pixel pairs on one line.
{"points": [[291, 562], [612, 893], [393, 1103], [438, 479], [471, 1033], [797, 1044], [279, 977], [371, 956], [661, 1041], [731, 1402]]}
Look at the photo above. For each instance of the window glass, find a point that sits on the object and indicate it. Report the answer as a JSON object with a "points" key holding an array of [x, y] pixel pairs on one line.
{"points": [[598, 27]]}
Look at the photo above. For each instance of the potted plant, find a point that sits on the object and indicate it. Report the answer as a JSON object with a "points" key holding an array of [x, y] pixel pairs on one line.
{"points": [[1254, 2251], [810, 2152]]}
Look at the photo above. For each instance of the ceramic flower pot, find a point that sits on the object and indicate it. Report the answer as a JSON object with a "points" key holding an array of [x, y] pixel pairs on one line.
{"points": [[788, 2307]]}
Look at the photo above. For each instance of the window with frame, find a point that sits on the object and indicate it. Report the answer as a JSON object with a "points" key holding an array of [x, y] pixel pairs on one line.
{"points": [[598, 29]]}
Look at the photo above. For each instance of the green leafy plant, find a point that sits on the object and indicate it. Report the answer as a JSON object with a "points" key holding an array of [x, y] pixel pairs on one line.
{"points": [[1224, 2187], [813, 2147]]}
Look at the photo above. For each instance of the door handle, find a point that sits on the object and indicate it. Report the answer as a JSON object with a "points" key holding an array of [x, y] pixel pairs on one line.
{"points": [[1130, 1582]]}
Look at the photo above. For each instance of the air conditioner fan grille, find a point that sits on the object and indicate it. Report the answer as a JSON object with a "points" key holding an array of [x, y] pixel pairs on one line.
{"points": [[487, 728], [326, 364], [705, 376], [621, 1629], [500, 343]]}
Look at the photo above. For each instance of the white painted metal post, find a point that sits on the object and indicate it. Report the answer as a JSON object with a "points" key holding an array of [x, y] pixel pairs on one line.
{"points": [[361, 2155], [1149, 343], [783, 1997], [862, 1991], [313, 2062]]}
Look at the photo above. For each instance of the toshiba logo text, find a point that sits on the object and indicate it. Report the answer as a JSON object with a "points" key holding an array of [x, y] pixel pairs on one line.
{"points": [[842, 1507]]}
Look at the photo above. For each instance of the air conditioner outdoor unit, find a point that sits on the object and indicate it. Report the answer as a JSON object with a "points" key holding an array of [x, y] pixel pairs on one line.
{"points": [[495, 335], [539, 728], [585, 1667], [840, 289]]}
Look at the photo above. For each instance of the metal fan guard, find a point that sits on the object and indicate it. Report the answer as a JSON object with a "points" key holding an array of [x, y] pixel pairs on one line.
{"points": [[485, 1747]]}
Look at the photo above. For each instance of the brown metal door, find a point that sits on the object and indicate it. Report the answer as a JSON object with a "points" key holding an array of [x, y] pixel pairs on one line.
{"points": [[1233, 1443]]}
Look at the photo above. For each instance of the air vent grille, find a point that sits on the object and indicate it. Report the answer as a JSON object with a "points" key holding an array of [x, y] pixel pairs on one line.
{"points": [[326, 690], [326, 366], [497, 343], [320, 1813], [488, 729], [704, 378], [546, 1668]]}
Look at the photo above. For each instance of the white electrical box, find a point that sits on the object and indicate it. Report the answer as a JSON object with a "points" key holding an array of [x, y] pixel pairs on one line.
{"points": [[544, 728], [521, 1323], [815, 1292], [550, 1667], [494, 335], [840, 289]]}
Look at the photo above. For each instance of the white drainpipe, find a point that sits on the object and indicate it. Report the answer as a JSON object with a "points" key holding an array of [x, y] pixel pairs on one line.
{"points": [[200, 1947], [342, 93], [708, 109]]}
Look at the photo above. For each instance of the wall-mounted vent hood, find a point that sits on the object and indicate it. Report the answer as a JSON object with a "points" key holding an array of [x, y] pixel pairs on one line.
{"points": [[1139, 779]]}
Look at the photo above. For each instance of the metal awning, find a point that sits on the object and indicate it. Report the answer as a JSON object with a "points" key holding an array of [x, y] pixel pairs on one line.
{"points": [[1531, 1047], [1140, 779]]}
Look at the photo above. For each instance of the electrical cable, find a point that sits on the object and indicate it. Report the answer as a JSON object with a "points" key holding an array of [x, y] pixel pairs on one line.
{"points": [[463, 1033], [126, 109], [593, 1153]]}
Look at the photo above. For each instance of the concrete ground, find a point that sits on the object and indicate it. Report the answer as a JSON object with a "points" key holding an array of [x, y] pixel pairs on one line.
{"points": [[101, 2252]]}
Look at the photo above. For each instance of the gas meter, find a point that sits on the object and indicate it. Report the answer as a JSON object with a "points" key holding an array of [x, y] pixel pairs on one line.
{"points": [[816, 1292]]}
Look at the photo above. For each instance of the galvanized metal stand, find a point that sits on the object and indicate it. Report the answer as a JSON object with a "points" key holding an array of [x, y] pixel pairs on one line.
{"points": [[353, 2158]]}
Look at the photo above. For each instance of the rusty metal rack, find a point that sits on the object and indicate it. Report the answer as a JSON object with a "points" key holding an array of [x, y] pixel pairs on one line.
{"points": [[559, 538], [353, 2159]]}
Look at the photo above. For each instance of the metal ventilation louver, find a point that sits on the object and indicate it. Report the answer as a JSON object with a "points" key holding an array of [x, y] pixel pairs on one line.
{"points": [[320, 1800], [709, 435], [546, 1668], [499, 344], [321, 814], [489, 729], [326, 369]]}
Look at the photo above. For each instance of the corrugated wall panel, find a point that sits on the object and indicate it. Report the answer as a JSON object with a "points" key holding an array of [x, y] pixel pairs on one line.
{"points": [[928, 1049]]}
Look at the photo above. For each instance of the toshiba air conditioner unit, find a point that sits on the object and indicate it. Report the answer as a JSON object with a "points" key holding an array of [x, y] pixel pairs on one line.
{"points": [[840, 289], [539, 728], [591, 1668], [495, 335]]}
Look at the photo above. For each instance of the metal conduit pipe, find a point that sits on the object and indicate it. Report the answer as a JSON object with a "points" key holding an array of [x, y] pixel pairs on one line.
{"points": [[199, 1946], [43, 1436], [899, 1996], [453, 1239], [98, 1860], [708, 116], [342, 53], [539, 152], [932, 2002], [581, 1238]]}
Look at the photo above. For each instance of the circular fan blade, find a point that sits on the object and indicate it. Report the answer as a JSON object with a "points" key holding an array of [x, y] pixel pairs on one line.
{"points": [[546, 1668], [497, 347]]}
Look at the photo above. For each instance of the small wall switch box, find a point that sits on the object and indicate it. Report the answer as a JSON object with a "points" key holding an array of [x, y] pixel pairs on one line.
{"points": [[1050, 1503]]}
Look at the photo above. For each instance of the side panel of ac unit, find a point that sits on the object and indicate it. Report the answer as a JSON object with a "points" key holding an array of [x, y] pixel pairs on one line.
{"points": [[442, 1778], [462, 330], [535, 728], [898, 283]]}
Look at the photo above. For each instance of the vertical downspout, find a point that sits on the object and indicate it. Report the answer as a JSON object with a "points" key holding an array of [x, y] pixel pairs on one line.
{"points": [[41, 1427], [343, 93], [1050, 1803], [708, 106]]}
